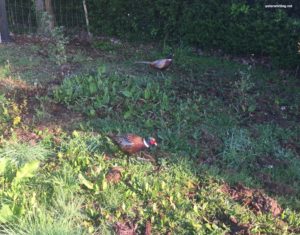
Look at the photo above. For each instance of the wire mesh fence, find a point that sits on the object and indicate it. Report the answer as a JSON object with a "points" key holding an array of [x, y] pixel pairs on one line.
{"points": [[22, 15]]}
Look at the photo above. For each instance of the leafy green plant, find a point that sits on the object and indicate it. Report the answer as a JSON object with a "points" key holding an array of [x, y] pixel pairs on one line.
{"points": [[41, 112], [102, 93], [10, 114], [245, 100], [14, 176], [5, 71], [58, 49]]}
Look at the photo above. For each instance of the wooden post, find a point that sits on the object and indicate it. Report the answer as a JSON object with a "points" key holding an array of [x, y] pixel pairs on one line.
{"points": [[4, 33]]}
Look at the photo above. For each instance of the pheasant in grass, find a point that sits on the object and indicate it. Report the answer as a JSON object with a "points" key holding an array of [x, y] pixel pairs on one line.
{"points": [[160, 64], [131, 143]]}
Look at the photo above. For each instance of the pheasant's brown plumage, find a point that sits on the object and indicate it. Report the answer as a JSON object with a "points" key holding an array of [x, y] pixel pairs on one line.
{"points": [[131, 143], [161, 64]]}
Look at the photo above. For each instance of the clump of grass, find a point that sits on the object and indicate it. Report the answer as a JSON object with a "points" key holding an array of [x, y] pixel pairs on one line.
{"points": [[5, 70], [22, 153], [62, 218], [178, 198], [107, 46], [244, 101], [237, 148]]}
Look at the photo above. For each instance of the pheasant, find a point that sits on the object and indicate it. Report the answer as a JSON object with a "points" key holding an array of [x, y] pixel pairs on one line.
{"points": [[131, 143], [160, 64]]}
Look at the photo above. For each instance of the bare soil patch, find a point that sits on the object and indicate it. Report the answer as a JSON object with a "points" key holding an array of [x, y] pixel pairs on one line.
{"points": [[125, 228], [256, 200], [114, 175]]}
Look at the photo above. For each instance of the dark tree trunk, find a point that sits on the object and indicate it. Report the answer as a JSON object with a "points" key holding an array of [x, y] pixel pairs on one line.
{"points": [[45, 16], [39, 5], [4, 33], [49, 10], [39, 9]]}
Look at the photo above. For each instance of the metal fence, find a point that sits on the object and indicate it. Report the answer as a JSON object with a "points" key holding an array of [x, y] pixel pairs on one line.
{"points": [[22, 16]]}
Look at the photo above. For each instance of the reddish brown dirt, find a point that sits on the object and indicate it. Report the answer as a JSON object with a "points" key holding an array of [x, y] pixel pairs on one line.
{"points": [[148, 228], [114, 175], [125, 228], [12, 87], [27, 136], [28, 39], [254, 199], [57, 115]]}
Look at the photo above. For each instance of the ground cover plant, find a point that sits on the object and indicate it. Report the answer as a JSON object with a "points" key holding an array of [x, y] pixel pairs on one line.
{"points": [[228, 134]]}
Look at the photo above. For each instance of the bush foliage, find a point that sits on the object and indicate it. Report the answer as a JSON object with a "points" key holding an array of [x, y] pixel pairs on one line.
{"points": [[236, 27]]}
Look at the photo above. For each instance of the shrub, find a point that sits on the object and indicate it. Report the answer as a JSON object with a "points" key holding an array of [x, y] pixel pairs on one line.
{"points": [[235, 27], [10, 114]]}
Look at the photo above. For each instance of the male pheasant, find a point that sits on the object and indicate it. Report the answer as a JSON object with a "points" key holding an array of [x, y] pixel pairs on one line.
{"points": [[160, 64], [131, 143]]}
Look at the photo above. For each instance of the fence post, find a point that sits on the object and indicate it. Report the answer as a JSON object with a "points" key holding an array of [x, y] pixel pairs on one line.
{"points": [[4, 33]]}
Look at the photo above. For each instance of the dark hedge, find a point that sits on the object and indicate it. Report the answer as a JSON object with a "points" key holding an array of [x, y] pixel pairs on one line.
{"points": [[236, 27]]}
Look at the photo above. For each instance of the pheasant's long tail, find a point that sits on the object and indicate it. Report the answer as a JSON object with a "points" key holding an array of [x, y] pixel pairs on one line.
{"points": [[142, 62]]}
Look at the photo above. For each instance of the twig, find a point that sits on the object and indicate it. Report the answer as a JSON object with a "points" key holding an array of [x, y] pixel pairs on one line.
{"points": [[86, 17]]}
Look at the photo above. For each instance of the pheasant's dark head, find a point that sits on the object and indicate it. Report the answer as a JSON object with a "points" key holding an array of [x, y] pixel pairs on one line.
{"points": [[170, 56], [150, 142]]}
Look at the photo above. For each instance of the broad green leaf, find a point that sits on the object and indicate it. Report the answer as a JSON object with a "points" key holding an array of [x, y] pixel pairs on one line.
{"points": [[27, 171], [163, 185], [154, 207], [104, 184], [92, 88], [127, 114], [149, 123], [85, 182], [127, 93], [123, 206], [5, 213], [3, 164], [147, 94], [147, 186], [92, 112], [101, 69], [208, 226], [165, 100], [251, 108]]}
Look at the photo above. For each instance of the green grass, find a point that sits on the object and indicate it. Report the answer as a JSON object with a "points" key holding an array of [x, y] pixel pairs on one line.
{"points": [[216, 122]]}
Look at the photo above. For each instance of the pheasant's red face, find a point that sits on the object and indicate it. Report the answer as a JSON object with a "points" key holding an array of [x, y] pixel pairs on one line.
{"points": [[152, 141]]}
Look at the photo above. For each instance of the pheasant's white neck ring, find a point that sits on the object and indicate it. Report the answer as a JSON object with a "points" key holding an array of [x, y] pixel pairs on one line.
{"points": [[145, 143]]}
